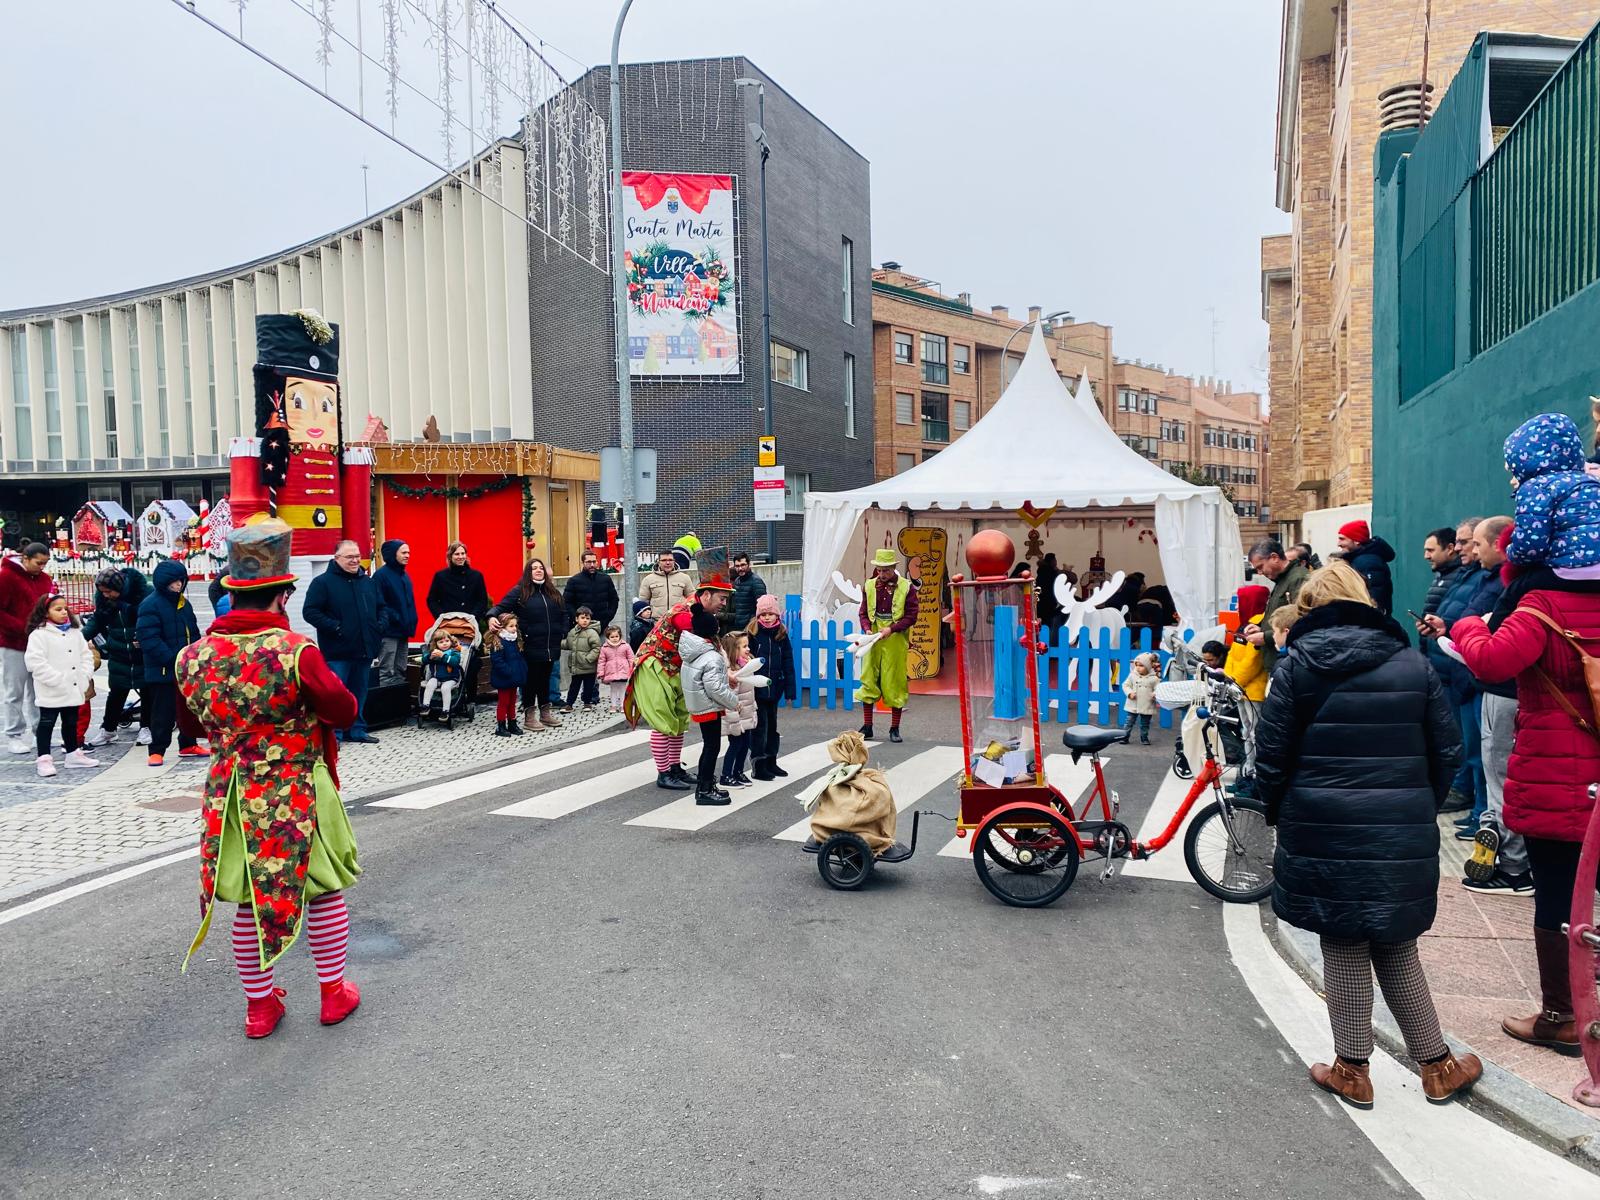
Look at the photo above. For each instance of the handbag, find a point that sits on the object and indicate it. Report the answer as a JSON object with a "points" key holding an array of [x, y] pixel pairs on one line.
{"points": [[1591, 674]]}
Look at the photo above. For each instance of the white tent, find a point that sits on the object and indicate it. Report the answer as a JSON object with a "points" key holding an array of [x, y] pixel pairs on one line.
{"points": [[1042, 445]]}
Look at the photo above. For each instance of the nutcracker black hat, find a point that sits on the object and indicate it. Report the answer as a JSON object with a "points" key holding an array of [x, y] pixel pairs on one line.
{"points": [[298, 343], [258, 555]]}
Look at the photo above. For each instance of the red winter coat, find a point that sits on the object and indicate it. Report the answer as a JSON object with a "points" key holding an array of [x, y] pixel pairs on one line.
{"points": [[1553, 761], [19, 592]]}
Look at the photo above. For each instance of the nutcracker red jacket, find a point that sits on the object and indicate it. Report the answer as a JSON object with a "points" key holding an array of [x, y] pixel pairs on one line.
{"points": [[1553, 760]]}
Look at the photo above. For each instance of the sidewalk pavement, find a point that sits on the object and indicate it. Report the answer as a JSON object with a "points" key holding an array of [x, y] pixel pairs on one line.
{"points": [[1480, 965], [77, 822]]}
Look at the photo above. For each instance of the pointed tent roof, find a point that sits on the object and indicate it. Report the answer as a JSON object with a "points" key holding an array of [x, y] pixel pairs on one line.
{"points": [[1039, 443]]}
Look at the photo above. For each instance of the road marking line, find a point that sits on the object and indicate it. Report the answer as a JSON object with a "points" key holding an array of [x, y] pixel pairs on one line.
{"points": [[909, 782], [576, 796], [93, 885], [1168, 862], [684, 813], [518, 772], [1444, 1151], [1070, 778]]}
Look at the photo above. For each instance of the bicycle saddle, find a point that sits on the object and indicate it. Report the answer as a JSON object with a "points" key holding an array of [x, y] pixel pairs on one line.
{"points": [[1090, 739]]}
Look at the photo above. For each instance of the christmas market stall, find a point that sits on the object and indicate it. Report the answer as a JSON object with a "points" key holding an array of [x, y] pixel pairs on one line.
{"points": [[100, 525], [164, 529], [508, 501]]}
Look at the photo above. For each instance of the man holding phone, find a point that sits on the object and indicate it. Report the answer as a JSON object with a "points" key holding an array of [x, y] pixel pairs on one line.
{"points": [[1287, 576]]}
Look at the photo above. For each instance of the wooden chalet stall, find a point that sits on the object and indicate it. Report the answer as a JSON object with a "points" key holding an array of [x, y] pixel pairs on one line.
{"points": [[506, 500]]}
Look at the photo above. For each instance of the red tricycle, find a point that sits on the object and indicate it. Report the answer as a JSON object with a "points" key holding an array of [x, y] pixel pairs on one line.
{"points": [[1027, 838]]}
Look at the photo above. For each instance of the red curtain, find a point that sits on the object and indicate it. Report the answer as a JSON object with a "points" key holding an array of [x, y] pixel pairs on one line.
{"points": [[421, 524], [491, 526]]}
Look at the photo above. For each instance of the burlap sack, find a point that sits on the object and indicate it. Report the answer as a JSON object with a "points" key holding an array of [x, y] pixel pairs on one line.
{"points": [[855, 798]]}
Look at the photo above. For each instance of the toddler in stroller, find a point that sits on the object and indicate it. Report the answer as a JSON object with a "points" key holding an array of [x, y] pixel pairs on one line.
{"points": [[441, 673]]}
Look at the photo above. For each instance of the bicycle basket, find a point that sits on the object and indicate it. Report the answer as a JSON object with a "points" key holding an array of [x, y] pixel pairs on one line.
{"points": [[1180, 693]]}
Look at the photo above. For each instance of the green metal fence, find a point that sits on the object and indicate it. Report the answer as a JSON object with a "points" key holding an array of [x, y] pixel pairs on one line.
{"points": [[1536, 205]]}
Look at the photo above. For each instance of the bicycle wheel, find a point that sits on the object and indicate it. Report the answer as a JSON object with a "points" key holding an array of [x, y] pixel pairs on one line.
{"points": [[1181, 768], [844, 861], [1237, 869], [1026, 858]]}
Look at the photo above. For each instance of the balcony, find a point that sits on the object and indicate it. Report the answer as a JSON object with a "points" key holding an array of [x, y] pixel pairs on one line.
{"points": [[935, 431]]}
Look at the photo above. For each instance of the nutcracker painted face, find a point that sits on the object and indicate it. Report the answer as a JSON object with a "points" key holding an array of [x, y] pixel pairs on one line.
{"points": [[311, 411]]}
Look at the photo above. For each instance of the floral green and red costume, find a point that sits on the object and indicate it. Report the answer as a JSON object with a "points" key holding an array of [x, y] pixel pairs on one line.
{"points": [[274, 834], [655, 693]]}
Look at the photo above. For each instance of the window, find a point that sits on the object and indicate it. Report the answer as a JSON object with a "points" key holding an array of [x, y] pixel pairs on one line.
{"points": [[935, 417], [144, 495], [131, 317], [905, 405], [1147, 403], [847, 255], [108, 386], [903, 348], [52, 392], [962, 416], [849, 395], [935, 359], [1125, 400], [161, 383], [106, 491], [963, 359], [22, 401], [80, 388], [1174, 431], [789, 366], [904, 462], [795, 486]]}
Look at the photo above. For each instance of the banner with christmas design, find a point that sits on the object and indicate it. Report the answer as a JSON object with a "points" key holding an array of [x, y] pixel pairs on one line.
{"points": [[678, 255]]}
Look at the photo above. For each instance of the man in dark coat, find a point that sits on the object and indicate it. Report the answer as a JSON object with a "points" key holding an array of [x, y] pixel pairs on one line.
{"points": [[748, 587], [1370, 556], [399, 602], [1288, 576], [1439, 548], [342, 605], [165, 626], [593, 589], [113, 628]]}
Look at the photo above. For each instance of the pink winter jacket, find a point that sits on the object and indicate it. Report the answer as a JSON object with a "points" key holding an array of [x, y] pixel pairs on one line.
{"points": [[616, 662]]}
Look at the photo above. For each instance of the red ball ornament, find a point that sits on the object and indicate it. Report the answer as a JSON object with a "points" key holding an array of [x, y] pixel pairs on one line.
{"points": [[990, 554]]}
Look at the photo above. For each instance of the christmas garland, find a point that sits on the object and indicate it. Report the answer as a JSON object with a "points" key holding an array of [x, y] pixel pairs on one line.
{"points": [[454, 493]]}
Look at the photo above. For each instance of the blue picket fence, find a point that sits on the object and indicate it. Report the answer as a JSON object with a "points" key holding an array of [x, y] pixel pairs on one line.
{"points": [[1078, 684]]}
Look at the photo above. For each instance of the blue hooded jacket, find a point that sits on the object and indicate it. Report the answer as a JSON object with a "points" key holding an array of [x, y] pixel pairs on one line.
{"points": [[166, 625], [1558, 506], [398, 597]]}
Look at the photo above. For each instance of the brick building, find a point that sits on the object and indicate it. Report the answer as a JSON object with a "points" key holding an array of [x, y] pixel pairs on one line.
{"points": [[937, 370], [690, 117], [1336, 60]]}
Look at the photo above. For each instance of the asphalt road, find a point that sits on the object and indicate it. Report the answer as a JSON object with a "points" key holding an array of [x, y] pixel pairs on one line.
{"points": [[580, 1008]]}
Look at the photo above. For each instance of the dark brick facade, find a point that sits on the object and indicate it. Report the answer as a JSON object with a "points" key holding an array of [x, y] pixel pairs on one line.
{"points": [[689, 117]]}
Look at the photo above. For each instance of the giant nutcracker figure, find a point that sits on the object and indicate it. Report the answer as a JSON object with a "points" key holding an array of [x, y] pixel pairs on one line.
{"points": [[293, 469]]}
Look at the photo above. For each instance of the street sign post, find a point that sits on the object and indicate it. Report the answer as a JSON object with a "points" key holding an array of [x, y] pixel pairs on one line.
{"points": [[769, 493]]}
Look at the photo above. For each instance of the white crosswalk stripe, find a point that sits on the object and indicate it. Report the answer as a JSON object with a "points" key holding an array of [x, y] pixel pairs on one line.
{"points": [[517, 772], [1069, 778], [684, 813], [1168, 862], [567, 800], [909, 782]]}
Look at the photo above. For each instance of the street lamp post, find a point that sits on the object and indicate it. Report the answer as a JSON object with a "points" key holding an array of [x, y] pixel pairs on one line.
{"points": [[1006, 349], [619, 302], [766, 289]]}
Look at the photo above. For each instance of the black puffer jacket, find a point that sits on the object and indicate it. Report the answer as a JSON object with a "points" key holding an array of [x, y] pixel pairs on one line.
{"points": [[1372, 558], [541, 622], [597, 593], [1355, 750], [113, 628]]}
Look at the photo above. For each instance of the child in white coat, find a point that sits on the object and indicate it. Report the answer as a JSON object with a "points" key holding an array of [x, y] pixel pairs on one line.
{"points": [[1140, 690], [739, 723], [62, 667]]}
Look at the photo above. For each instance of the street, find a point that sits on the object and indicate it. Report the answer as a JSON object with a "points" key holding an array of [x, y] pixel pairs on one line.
{"points": [[577, 1004]]}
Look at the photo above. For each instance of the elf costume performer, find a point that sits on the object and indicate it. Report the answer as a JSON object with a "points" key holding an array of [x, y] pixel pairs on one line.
{"points": [[655, 692], [888, 611], [275, 840]]}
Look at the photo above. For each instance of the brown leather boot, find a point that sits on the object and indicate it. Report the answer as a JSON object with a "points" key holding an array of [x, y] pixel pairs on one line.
{"points": [[1353, 1085], [548, 718], [1443, 1079], [1554, 1026]]}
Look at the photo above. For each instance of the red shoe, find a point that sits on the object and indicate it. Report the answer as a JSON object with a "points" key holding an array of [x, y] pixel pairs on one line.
{"points": [[155, 760], [261, 1016], [339, 1000], [193, 752]]}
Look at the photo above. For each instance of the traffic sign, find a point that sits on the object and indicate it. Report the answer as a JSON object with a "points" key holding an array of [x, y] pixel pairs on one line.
{"points": [[767, 450], [768, 493]]}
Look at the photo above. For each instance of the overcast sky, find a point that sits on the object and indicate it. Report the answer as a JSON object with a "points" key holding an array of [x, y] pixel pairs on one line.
{"points": [[1111, 159]]}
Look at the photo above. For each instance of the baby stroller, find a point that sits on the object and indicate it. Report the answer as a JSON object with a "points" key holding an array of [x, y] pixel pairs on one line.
{"points": [[442, 704]]}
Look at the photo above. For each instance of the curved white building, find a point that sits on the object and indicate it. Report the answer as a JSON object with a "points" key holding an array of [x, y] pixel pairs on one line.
{"points": [[136, 395]]}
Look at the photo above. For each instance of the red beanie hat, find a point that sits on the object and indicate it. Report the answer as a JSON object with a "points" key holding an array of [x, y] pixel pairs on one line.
{"points": [[1356, 531], [1252, 600]]}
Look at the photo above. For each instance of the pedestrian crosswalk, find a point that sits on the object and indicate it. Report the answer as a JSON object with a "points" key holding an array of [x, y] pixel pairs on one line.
{"points": [[626, 772]]}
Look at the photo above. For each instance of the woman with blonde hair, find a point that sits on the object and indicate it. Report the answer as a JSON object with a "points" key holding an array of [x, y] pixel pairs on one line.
{"points": [[1355, 749]]}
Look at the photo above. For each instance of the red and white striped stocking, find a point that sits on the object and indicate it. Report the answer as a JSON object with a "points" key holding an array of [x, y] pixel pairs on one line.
{"points": [[328, 931], [247, 955]]}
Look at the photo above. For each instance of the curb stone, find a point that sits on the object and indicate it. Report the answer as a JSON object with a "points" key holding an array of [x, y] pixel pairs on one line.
{"points": [[1499, 1095]]}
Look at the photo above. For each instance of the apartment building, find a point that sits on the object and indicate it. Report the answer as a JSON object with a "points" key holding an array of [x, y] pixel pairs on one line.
{"points": [[937, 369], [1345, 69]]}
